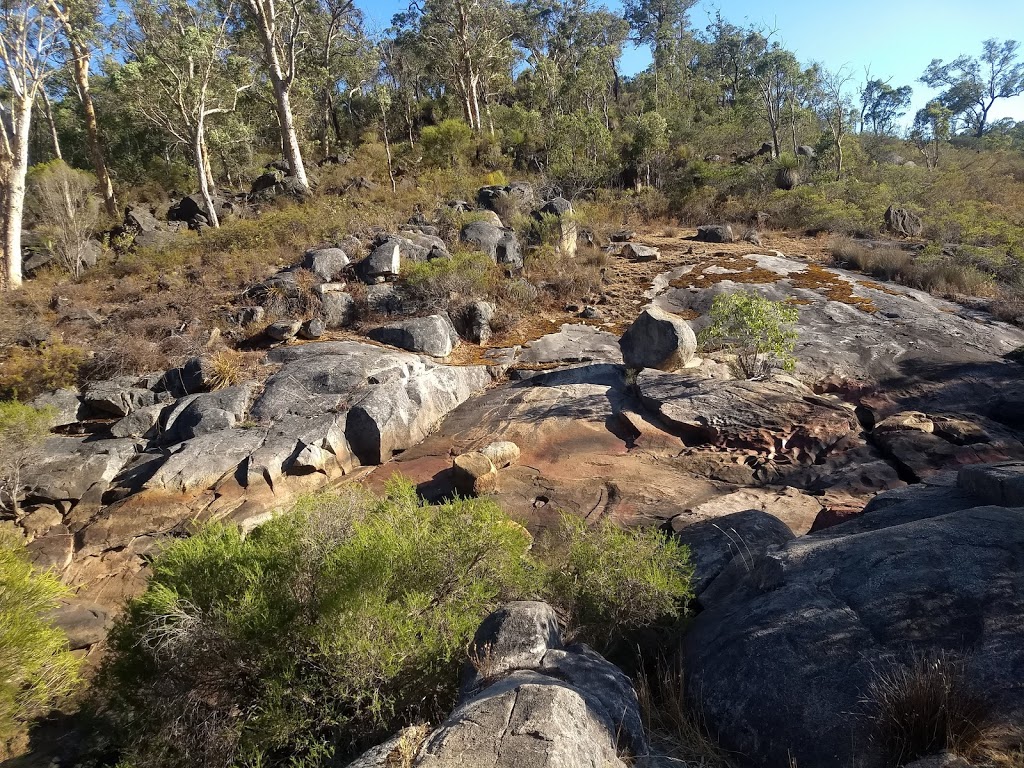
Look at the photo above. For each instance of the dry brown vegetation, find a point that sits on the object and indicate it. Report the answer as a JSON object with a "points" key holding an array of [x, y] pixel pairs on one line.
{"points": [[925, 707]]}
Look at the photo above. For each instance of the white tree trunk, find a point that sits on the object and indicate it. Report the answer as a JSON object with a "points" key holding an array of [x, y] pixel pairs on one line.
{"points": [[199, 149], [14, 200], [289, 137]]}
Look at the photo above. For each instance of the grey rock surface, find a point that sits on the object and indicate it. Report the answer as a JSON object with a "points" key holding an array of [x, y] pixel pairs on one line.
{"points": [[432, 335], [658, 339], [500, 244], [830, 610], [541, 706], [326, 263]]}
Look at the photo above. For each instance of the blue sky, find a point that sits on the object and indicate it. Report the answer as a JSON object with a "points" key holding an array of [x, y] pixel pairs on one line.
{"points": [[897, 38]]}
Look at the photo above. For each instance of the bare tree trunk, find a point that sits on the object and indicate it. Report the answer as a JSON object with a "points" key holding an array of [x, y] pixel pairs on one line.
{"points": [[92, 129], [199, 149], [14, 201], [387, 148], [48, 113]]}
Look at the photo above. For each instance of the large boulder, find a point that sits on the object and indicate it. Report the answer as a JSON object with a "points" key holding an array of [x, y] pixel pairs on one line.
{"points": [[782, 658], [568, 231], [339, 308], [326, 263], [900, 221], [383, 264], [473, 321], [530, 701], [196, 415], [118, 397], [433, 335], [500, 244], [716, 233], [658, 339]]}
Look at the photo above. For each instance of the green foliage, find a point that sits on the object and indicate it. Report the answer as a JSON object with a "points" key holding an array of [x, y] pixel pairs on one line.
{"points": [[25, 372], [22, 432], [610, 580], [332, 626], [36, 668], [447, 144], [757, 329], [440, 282]]}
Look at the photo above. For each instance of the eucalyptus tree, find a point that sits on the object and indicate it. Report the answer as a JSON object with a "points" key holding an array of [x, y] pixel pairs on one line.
{"points": [[882, 105], [80, 29], [181, 72], [282, 28], [834, 106], [662, 25], [572, 49], [932, 127], [973, 85], [468, 45], [29, 56], [774, 77], [337, 59]]}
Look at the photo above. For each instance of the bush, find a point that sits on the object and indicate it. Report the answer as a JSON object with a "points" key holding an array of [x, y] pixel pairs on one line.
{"points": [[447, 144], [757, 329], [331, 627], [36, 668], [441, 282], [27, 372], [22, 432], [67, 211], [608, 581]]}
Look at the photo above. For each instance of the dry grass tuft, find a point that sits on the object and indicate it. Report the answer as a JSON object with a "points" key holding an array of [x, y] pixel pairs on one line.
{"points": [[676, 729], [926, 707]]}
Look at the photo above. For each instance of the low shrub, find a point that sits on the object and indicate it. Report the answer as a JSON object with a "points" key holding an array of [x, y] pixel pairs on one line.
{"points": [[609, 581], [27, 371], [22, 432], [441, 283], [563, 277], [333, 626], [759, 331], [36, 668]]}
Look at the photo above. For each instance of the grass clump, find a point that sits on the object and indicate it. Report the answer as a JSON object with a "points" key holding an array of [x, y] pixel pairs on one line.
{"points": [[331, 627], [927, 707], [23, 429], [36, 668], [759, 331]]}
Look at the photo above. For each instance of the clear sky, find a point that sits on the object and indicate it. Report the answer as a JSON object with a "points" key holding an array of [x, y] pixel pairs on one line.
{"points": [[897, 38]]}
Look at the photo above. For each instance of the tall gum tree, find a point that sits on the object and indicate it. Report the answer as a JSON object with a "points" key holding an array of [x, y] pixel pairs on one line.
{"points": [[280, 25], [181, 73], [973, 85], [29, 55], [77, 20]]}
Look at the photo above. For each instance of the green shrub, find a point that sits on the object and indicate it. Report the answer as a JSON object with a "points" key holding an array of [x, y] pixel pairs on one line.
{"points": [[36, 668], [26, 372], [756, 329], [330, 627], [22, 432], [609, 581], [447, 144], [440, 282]]}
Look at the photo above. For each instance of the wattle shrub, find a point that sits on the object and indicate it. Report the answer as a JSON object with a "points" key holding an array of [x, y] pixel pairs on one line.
{"points": [[329, 628]]}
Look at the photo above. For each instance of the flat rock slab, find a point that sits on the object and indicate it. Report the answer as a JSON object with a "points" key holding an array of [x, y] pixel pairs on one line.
{"points": [[911, 345], [572, 344], [778, 416]]}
